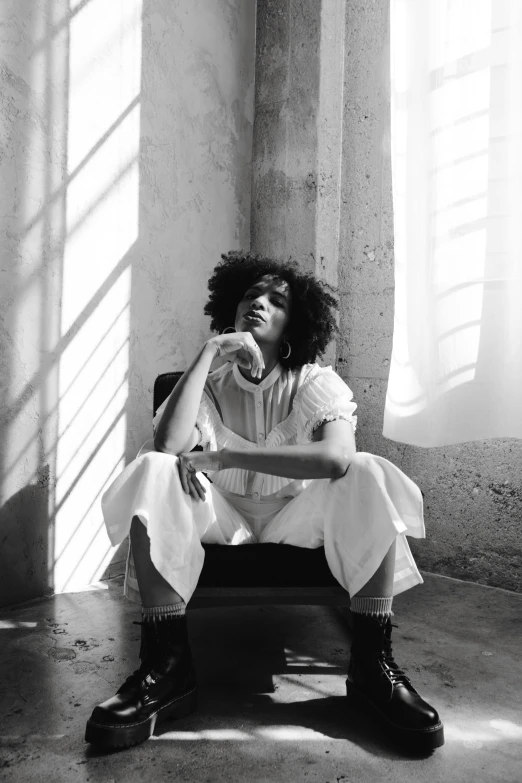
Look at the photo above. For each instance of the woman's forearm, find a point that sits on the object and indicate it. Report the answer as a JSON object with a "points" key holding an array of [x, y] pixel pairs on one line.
{"points": [[177, 423], [322, 459]]}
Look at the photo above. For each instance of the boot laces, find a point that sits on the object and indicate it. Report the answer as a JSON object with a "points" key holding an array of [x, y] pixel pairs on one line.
{"points": [[391, 669]]}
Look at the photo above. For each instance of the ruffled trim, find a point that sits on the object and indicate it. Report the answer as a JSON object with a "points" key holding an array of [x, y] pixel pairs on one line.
{"points": [[288, 428], [329, 400], [330, 416], [330, 411], [283, 431], [314, 373]]}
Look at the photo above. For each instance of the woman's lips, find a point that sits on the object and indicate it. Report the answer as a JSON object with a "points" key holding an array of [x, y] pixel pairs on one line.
{"points": [[251, 316]]}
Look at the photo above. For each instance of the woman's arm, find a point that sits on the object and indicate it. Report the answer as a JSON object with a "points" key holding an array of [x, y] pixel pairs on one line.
{"points": [[176, 429], [329, 456]]}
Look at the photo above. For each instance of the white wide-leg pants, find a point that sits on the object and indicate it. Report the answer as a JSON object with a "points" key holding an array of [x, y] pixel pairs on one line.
{"points": [[356, 518]]}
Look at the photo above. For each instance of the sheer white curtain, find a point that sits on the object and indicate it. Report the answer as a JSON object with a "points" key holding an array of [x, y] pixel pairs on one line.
{"points": [[456, 82]]}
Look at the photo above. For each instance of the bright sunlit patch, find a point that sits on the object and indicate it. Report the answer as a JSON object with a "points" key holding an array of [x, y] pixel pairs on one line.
{"points": [[105, 71], [484, 732], [455, 122], [102, 225], [93, 388], [5, 624], [288, 733], [298, 688], [454, 36], [293, 659], [458, 101], [81, 544], [94, 587], [278, 733], [507, 728], [102, 211], [207, 734]]}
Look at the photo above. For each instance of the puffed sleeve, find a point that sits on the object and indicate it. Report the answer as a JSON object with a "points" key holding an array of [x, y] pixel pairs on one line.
{"points": [[204, 423], [326, 397]]}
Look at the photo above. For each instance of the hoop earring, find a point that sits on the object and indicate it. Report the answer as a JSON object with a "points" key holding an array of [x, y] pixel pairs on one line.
{"points": [[289, 349], [226, 330]]}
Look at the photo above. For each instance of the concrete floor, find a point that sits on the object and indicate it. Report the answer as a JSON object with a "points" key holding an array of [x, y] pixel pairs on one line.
{"points": [[272, 705]]}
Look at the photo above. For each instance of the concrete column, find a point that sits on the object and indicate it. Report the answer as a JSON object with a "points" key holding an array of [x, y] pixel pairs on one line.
{"points": [[296, 166]]}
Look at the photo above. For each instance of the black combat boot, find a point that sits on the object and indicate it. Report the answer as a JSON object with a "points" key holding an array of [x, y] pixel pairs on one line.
{"points": [[375, 676], [163, 687]]}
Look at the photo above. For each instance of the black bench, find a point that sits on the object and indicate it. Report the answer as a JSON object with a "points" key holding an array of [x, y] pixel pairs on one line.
{"points": [[259, 573]]}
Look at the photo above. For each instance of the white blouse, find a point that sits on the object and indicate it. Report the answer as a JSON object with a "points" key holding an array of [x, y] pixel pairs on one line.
{"points": [[283, 410]]}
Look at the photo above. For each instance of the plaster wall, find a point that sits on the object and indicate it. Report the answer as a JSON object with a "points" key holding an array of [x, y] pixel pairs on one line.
{"points": [[473, 491], [125, 151]]}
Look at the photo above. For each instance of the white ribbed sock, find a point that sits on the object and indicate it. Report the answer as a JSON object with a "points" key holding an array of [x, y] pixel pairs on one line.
{"points": [[154, 613], [366, 604]]}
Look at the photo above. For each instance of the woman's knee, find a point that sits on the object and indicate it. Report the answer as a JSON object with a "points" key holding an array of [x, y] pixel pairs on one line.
{"points": [[153, 462], [361, 460], [157, 458]]}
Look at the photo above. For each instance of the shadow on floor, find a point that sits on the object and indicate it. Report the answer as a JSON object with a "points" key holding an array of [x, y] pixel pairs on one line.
{"points": [[272, 703]]}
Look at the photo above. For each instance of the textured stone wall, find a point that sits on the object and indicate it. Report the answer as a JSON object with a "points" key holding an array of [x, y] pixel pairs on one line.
{"points": [[125, 149], [473, 491]]}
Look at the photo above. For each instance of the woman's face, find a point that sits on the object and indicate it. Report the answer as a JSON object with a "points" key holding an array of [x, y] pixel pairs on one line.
{"points": [[264, 310]]}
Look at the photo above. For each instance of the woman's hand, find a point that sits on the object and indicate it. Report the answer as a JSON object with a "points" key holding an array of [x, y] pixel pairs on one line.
{"points": [[230, 344], [192, 462]]}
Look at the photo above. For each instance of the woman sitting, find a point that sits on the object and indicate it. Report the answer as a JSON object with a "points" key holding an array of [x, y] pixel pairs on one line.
{"points": [[277, 432]]}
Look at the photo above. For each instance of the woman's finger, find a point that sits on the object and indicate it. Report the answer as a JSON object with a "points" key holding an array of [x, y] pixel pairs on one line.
{"points": [[260, 360], [191, 489], [243, 362], [191, 475], [254, 349], [193, 492], [186, 475], [183, 475], [200, 489]]}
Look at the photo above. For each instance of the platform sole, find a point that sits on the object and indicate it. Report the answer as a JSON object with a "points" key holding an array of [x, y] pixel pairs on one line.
{"points": [[414, 740], [113, 736]]}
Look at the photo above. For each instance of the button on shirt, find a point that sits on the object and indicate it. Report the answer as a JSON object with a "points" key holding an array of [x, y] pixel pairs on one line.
{"points": [[257, 391]]}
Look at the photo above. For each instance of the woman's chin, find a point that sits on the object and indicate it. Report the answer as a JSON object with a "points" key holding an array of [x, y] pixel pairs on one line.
{"points": [[252, 326]]}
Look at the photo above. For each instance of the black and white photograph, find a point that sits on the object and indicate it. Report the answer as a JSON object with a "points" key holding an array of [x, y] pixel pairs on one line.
{"points": [[261, 391]]}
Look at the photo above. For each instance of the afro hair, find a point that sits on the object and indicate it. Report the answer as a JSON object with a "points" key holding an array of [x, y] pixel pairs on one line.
{"points": [[312, 318]]}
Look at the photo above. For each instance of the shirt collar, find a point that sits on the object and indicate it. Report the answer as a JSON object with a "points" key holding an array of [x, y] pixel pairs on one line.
{"points": [[270, 379]]}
